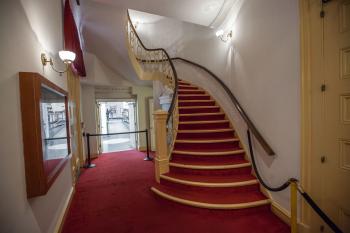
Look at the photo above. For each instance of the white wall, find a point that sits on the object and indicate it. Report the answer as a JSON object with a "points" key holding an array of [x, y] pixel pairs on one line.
{"points": [[25, 33], [261, 66]]}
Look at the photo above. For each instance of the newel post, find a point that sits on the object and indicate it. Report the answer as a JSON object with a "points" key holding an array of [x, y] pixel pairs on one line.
{"points": [[161, 158]]}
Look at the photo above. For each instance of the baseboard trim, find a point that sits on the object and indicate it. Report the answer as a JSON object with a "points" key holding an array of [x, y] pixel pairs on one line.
{"points": [[280, 212], [64, 212], [284, 215]]}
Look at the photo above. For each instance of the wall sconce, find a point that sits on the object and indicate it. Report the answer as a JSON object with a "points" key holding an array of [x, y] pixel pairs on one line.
{"points": [[224, 36], [66, 56]]}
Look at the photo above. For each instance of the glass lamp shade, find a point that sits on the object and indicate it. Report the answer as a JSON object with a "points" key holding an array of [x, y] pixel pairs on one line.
{"points": [[219, 33], [67, 56]]}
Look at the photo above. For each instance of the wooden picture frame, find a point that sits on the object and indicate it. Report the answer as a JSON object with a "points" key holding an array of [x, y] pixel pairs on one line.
{"points": [[40, 170]]}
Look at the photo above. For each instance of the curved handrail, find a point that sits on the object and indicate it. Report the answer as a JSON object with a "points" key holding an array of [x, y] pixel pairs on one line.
{"points": [[286, 184], [238, 106], [173, 101], [296, 187]]}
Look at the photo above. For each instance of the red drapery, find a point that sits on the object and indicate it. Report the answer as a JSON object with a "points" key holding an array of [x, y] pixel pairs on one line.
{"points": [[72, 42]]}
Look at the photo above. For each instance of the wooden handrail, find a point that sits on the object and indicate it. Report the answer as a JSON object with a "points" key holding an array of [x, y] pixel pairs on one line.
{"points": [[234, 100], [238, 106], [173, 101]]}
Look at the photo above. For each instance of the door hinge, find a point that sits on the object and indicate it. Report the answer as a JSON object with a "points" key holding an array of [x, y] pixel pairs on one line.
{"points": [[323, 87], [322, 14], [322, 228], [323, 2]]}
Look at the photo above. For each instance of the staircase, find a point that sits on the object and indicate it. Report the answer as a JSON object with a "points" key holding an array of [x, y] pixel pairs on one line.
{"points": [[208, 166]]}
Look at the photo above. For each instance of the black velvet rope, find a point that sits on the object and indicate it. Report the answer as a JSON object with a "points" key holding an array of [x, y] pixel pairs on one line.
{"points": [[322, 214], [306, 196]]}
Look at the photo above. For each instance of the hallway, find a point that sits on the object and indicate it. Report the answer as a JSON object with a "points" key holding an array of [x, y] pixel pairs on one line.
{"points": [[114, 198]]}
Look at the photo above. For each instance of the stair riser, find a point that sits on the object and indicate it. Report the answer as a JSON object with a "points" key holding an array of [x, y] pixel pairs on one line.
{"points": [[184, 83], [223, 125], [181, 92], [246, 188], [190, 104], [221, 172], [187, 87], [199, 110], [216, 159], [220, 158], [203, 118], [216, 135], [207, 146], [197, 97]]}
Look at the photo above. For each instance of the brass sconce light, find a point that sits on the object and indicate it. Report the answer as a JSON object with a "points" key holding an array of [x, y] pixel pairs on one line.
{"points": [[66, 56], [224, 36]]}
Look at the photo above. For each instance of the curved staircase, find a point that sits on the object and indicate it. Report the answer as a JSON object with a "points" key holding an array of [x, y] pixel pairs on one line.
{"points": [[208, 167]]}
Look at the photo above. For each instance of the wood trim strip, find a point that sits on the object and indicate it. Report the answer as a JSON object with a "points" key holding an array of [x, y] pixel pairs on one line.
{"points": [[209, 205], [208, 153], [208, 141], [209, 167], [209, 185], [205, 131], [201, 114], [203, 122]]}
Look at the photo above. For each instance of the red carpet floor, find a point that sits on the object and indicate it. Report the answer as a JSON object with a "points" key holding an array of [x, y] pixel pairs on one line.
{"points": [[115, 197]]}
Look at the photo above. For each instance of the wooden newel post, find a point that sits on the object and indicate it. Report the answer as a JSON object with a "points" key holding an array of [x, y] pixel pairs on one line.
{"points": [[161, 158]]}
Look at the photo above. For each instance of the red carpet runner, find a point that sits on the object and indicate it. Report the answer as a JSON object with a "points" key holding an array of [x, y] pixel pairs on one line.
{"points": [[115, 197], [208, 168]]}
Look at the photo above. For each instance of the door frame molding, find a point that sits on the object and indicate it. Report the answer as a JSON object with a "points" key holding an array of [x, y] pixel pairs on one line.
{"points": [[305, 72]]}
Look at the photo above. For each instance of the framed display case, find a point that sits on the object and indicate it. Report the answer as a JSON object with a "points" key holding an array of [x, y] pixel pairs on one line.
{"points": [[46, 142]]}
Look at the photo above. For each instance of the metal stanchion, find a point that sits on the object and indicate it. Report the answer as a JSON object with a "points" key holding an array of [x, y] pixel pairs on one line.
{"points": [[89, 164], [293, 206], [147, 158]]}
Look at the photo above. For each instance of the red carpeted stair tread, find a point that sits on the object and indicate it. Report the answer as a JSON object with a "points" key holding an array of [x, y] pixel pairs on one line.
{"points": [[212, 178], [205, 125], [194, 103], [215, 196], [201, 109], [202, 117], [191, 92], [198, 161], [187, 87], [193, 97], [207, 146], [211, 150], [218, 159], [208, 139]]}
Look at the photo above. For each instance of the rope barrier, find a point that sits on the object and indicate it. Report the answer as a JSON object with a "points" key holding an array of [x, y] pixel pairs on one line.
{"points": [[306, 196], [88, 135]]}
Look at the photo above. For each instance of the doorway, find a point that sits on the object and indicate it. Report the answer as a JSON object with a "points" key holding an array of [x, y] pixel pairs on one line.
{"points": [[116, 116]]}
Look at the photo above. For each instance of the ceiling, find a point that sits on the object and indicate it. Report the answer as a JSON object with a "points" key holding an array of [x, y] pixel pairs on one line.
{"points": [[102, 24]]}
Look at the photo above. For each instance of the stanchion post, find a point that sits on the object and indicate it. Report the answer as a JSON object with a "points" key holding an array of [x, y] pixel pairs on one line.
{"points": [[293, 206], [89, 165], [147, 158], [161, 161]]}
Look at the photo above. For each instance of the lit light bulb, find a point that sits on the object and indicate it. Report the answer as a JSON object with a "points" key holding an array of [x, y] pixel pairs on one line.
{"points": [[219, 33], [67, 56]]}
